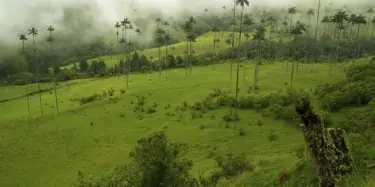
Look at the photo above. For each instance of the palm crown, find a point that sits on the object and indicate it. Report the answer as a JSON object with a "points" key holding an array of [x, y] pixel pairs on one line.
{"points": [[326, 19], [22, 37], [50, 28], [298, 29], [310, 12], [242, 3], [340, 17], [248, 20], [33, 31], [292, 10], [360, 20], [260, 33]]}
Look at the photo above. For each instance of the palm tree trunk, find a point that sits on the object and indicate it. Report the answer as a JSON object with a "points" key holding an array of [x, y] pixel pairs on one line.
{"points": [[54, 80], [159, 60], [292, 71], [118, 56], [190, 59], [37, 77], [187, 61], [238, 60], [291, 20], [27, 81], [214, 46], [233, 40], [317, 21], [309, 24], [359, 25], [244, 63], [373, 30], [166, 58], [256, 70]]}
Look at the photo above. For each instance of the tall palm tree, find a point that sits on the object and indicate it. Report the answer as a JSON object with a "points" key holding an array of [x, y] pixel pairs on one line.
{"points": [[34, 32], [338, 19], [50, 39], [296, 30], [259, 36], [292, 10], [117, 26], [360, 20], [317, 21], [191, 38], [23, 40], [247, 22], [125, 26], [310, 13], [215, 30], [325, 20], [241, 3], [138, 31], [130, 46], [285, 23], [352, 20], [167, 38], [233, 41], [159, 33]]}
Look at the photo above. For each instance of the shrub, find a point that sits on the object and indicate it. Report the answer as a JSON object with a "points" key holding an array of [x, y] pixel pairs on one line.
{"points": [[122, 91], [150, 110], [111, 92], [185, 104], [361, 72], [231, 116], [272, 137], [197, 106], [233, 165], [167, 106], [141, 101], [89, 99], [215, 93], [104, 94], [209, 103], [202, 127], [153, 157], [242, 132]]}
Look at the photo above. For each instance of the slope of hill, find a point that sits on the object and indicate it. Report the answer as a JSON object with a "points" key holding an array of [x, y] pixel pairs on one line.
{"points": [[95, 137]]}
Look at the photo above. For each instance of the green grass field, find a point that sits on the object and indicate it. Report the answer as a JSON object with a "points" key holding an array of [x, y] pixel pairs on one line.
{"points": [[94, 138]]}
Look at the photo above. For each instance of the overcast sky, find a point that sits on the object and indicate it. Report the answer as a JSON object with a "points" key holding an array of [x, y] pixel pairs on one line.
{"points": [[18, 15]]}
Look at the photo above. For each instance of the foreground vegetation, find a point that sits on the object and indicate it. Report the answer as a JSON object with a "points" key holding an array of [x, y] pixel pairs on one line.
{"points": [[93, 134]]}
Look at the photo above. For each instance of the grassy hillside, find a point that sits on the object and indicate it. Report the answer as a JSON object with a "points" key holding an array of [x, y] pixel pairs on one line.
{"points": [[202, 45], [95, 137]]}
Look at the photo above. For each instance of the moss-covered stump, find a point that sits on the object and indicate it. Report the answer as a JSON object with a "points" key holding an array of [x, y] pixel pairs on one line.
{"points": [[328, 146]]}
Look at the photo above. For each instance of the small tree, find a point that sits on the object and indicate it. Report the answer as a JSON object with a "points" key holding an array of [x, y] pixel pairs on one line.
{"points": [[34, 32], [50, 39], [23, 39], [156, 162]]}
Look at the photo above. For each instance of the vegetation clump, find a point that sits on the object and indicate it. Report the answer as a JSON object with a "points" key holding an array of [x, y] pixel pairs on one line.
{"points": [[155, 161]]}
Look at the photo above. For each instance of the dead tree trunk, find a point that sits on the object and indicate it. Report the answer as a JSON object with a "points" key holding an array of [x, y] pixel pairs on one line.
{"points": [[327, 146]]}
